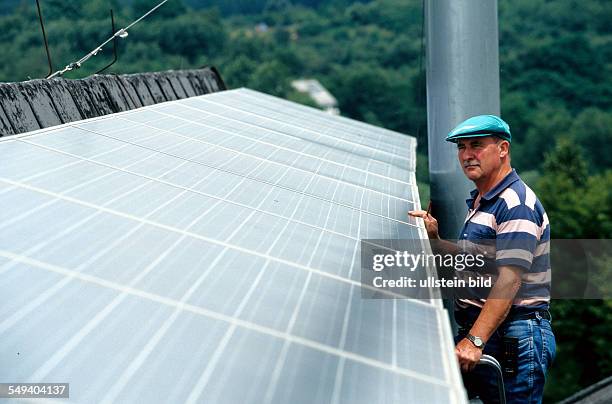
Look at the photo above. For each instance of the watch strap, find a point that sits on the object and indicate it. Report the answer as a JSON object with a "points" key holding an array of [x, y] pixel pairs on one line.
{"points": [[477, 341]]}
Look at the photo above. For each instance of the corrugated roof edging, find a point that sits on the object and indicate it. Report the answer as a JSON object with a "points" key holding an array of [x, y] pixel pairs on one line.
{"points": [[39, 104], [600, 392]]}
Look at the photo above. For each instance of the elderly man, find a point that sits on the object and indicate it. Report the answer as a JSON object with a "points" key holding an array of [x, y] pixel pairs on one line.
{"points": [[513, 322]]}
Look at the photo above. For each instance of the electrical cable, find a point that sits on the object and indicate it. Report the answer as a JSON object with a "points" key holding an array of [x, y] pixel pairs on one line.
{"points": [[122, 33]]}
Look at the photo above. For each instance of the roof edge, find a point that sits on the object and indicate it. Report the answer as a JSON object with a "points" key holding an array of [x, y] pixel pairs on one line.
{"points": [[42, 103], [585, 393]]}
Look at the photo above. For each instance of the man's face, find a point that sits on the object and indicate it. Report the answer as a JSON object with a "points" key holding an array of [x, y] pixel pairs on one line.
{"points": [[479, 156]]}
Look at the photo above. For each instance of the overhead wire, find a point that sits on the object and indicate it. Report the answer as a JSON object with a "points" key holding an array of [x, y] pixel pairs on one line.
{"points": [[122, 33], [42, 27]]}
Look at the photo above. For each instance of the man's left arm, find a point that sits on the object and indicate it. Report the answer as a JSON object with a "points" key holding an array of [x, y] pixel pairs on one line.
{"points": [[493, 313]]}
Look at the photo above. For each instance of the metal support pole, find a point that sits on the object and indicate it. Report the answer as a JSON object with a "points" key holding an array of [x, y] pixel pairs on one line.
{"points": [[462, 56], [462, 81]]}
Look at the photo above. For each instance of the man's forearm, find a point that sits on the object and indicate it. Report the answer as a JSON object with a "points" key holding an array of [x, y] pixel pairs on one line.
{"points": [[491, 316], [440, 246], [495, 308]]}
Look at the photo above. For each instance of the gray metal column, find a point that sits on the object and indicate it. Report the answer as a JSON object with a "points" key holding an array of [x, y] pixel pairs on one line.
{"points": [[462, 81]]}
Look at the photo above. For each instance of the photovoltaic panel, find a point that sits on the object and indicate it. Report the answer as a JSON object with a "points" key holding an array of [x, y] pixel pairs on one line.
{"points": [[207, 250]]}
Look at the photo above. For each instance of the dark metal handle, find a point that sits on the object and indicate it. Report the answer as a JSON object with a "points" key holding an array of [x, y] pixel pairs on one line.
{"points": [[488, 360], [114, 44]]}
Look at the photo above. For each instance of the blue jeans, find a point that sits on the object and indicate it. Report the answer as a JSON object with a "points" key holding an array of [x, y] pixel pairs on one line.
{"points": [[536, 353]]}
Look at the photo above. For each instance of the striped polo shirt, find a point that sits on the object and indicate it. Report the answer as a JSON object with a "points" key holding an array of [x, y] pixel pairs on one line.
{"points": [[511, 220]]}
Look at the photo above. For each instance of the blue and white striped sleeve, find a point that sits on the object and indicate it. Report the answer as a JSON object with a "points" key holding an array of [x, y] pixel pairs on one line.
{"points": [[518, 232]]}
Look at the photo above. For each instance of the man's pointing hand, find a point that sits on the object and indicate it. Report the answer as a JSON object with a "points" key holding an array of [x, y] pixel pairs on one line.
{"points": [[431, 224]]}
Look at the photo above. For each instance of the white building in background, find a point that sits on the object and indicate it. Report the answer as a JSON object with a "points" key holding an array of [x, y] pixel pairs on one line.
{"points": [[318, 93]]}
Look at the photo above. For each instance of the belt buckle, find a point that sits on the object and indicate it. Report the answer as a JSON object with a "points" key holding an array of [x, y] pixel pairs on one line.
{"points": [[538, 315]]}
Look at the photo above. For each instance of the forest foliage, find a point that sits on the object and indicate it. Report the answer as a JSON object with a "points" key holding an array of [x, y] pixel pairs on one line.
{"points": [[556, 88]]}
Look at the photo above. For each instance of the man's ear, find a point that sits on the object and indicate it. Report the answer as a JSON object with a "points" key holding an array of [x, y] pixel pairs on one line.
{"points": [[504, 148]]}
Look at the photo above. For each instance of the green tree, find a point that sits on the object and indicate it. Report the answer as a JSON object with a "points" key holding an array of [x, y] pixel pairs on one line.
{"points": [[546, 123], [578, 206], [582, 331], [277, 6], [192, 35], [238, 71], [561, 189], [271, 77], [566, 68], [169, 9], [56, 9], [592, 130]]}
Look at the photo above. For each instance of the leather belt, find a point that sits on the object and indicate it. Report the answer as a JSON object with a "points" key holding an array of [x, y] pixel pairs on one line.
{"points": [[539, 314]]}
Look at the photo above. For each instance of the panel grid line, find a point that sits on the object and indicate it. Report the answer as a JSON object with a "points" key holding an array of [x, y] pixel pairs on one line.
{"points": [[7, 323], [184, 189], [212, 196], [139, 361], [74, 163], [217, 169], [201, 99], [315, 157], [222, 317], [271, 390], [344, 333], [198, 236], [42, 372], [125, 377], [205, 376], [338, 120], [172, 133]]}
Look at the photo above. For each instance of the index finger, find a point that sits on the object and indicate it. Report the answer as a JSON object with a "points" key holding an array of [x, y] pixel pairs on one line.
{"points": [[418, 213]]}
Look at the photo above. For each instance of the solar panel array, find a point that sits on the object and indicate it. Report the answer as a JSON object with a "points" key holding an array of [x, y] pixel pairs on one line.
{"points": [[207, 250]]}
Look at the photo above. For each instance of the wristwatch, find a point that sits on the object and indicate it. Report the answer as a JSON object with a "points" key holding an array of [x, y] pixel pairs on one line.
{"points": [[477, 341]]}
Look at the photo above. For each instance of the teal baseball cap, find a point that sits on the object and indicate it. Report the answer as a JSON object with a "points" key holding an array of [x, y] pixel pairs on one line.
{"points": [[481, 125]]}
